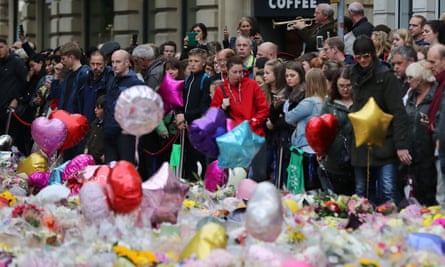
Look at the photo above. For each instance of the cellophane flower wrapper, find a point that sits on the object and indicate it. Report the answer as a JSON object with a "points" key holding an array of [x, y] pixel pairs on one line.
{"points": [[71, 241]]}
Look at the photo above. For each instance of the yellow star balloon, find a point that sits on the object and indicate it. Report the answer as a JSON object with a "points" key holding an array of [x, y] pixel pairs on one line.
{"points": [[370, 124]]}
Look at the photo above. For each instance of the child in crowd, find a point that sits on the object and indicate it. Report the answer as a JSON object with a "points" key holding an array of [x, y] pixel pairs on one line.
{"points": [[196, 98], [259, 77], [213, 86], [95, 143]]}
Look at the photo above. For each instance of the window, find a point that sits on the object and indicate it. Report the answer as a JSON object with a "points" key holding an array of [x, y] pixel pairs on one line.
{"points": [[405, 12]]}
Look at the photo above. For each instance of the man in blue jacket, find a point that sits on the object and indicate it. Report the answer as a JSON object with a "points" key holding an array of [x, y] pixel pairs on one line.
{"points": [[95, 85], [118, 145]]}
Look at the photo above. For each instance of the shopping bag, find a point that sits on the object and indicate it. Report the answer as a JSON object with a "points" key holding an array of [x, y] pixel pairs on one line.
{"points": [[295, 178]]}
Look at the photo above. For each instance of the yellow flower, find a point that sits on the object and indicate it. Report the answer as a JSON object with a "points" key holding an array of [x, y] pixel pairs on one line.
{"points": [[291, 204], [4, 247], [368, 263], [139, 258], [188, 203], [9, 197], [296, 236]]}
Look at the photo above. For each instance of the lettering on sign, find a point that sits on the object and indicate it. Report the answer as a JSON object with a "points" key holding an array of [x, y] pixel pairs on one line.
{"points": [[288, 4], [286, 8]]}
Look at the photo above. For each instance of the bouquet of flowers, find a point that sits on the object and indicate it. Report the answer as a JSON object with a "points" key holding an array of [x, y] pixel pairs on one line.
{"points": [[30, 213], [342, 206]]}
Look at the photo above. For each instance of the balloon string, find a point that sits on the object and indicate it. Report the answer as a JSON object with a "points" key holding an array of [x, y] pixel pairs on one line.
{"points": [[311, 167], [368, 171], [136, 156], [21, 120], [167, 145]]}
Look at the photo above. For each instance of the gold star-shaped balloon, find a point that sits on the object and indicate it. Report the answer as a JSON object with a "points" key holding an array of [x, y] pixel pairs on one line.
{"points": [[370, 124]]}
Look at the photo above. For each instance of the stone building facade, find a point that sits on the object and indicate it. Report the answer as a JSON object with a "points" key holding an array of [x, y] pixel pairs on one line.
{"points": [[51, 23]]}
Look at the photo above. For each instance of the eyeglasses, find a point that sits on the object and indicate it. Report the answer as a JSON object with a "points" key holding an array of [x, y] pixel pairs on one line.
{"points": [[364, 56], [344, 86]]}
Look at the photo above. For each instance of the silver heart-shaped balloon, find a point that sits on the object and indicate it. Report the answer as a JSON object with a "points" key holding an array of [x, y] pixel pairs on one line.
{"points": [[5, 141]]}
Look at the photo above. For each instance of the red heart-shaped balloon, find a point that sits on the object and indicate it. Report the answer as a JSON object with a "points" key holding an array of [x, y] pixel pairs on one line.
{"points": [[124, 188], [76, 124], [321, 132]]}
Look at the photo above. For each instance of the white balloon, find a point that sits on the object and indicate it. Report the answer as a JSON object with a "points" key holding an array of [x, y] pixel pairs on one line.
{"points": [[139, 110], [264, 213]]}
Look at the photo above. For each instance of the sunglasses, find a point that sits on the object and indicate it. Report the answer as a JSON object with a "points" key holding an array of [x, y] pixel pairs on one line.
{"points": [[364, 56]]}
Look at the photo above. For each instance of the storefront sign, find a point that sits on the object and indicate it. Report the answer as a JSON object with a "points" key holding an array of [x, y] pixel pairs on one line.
{"points": [[286, 8]]}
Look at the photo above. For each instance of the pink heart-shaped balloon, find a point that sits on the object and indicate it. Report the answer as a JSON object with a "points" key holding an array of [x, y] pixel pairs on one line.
{"points": [[321, 132], [49, 134]]}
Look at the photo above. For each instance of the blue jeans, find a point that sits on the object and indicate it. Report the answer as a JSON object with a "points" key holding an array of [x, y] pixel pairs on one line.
{"points": [[382, 185]]}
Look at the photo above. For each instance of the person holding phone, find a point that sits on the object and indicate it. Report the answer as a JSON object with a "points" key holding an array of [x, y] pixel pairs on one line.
{"points": [[247, 26], [196, 38], [315, 34]]}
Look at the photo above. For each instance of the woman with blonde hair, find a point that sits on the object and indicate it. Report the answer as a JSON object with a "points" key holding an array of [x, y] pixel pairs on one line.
{"points": [[382, 46], [247, 26], [422, 170], [401, 37], [309, 107]]}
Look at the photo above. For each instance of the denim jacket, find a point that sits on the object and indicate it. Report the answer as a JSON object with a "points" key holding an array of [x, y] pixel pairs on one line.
{"points": [[299, 116]]}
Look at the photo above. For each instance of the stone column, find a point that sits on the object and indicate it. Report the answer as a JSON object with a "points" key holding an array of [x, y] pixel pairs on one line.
{"points": [[425, 8], [385, 13], [4, 21], [230, 12], [207, 13], [66, 22], [126, 20], [30, 23], [167, 22]]}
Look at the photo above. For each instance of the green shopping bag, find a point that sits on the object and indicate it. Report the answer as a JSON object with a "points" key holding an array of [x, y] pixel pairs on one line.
{"points": [[295, 178], [175, 157]]}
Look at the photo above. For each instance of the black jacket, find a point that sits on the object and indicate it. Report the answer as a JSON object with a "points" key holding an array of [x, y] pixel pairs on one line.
{"points": [[382, 84], [12, 79], [196, 96], [363, 27]]}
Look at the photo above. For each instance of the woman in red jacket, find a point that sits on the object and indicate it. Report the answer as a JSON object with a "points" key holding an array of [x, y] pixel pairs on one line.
{"points": [[243, 99]]}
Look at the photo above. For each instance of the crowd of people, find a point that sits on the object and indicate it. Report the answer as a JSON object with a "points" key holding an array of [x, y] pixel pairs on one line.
{"points": [[402, 69]]}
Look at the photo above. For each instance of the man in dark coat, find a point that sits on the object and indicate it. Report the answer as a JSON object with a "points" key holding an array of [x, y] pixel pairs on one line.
{"points": [[118, 145], [12, 86], [371, 79], [361, 25], [322, 28]]}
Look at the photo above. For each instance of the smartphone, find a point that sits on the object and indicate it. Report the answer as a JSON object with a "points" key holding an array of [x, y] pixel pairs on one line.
{"points": [[20, 32], [134, 40], [319, 42], [192, 38]]}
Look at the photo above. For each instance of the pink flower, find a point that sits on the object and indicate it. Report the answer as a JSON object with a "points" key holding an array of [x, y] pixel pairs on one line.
{"points": [[439, 221]]}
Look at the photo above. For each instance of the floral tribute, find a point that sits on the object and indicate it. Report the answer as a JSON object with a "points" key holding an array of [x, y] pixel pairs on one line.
{"points": [[30, 213], [342, 206]]}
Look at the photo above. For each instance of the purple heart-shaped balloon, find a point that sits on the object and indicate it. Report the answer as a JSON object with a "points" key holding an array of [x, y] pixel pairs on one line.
{"points": [[49, 134]]}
